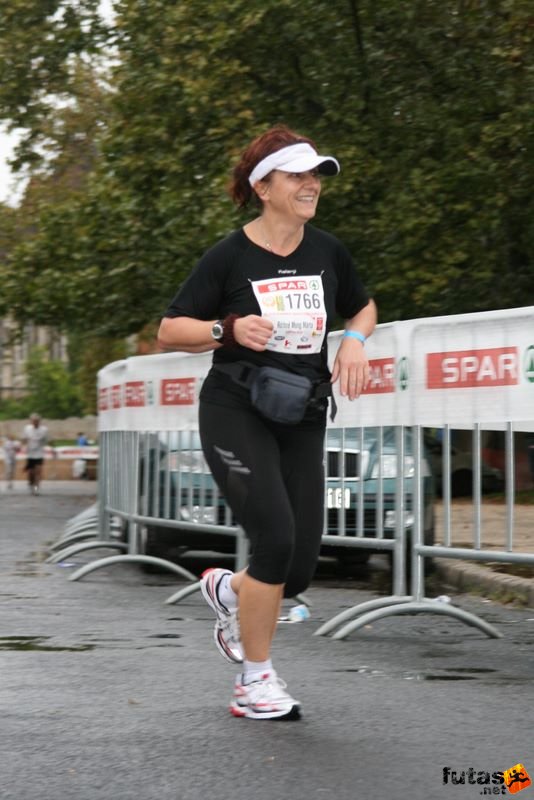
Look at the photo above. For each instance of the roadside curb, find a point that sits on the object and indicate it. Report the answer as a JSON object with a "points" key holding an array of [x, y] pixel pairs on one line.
{"points": [[483, 580]]}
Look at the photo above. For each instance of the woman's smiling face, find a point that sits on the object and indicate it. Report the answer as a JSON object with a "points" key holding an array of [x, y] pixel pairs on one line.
{"points": [[294, 194]]}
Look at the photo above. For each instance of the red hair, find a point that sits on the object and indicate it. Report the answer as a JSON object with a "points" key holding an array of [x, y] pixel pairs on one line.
{"points": [[269, 142]]}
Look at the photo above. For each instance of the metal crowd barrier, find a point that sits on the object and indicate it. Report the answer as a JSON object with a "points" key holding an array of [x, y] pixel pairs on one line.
{"points": [[503, 550], [160, 481], [473, 372]]}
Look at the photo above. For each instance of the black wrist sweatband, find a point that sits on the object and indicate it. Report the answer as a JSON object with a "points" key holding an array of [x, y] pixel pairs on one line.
{"points": [[228, 338]]}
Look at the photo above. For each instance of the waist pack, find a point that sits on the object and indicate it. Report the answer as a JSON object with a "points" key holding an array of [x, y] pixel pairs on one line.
{"points": [[278, 395]]}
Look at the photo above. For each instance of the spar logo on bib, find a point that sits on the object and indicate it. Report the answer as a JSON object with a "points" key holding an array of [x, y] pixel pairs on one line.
{"points": [[285, 285], [470, 369]]}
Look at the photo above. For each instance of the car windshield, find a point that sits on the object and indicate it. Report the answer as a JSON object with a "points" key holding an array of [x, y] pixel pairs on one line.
{"points": [[351, 437], [348, 438], [180, 440]]}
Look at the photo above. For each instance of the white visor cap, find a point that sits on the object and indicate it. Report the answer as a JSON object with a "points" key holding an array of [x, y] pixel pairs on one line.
{"points": [[295, 158]]}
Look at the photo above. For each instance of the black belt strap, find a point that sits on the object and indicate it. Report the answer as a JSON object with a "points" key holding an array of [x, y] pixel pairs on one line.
{"points": [[242, 373]]}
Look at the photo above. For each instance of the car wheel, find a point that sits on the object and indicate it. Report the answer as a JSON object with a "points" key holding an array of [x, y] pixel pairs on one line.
{"points": [[159, 543], [350, 561]]}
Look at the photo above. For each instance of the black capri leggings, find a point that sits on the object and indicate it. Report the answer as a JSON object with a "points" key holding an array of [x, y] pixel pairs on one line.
{"points": [[272, 477]]}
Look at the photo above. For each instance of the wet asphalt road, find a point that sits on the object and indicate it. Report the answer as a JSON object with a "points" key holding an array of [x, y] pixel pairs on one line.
{"points": [[106, 693]]}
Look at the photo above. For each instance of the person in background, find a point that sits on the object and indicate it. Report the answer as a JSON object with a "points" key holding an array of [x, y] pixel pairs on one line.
{"points": [[35, 437], [266, 296], [11, 447], [82, 440]]}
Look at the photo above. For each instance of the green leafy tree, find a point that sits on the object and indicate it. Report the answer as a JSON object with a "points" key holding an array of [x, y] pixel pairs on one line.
{"points": [[38, 42], [91, 354], [28, 270], [52, 390], [427, 104], [19, 408]]}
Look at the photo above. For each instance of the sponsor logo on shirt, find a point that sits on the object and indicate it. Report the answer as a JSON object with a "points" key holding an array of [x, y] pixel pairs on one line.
{"points": [[281, 286]]}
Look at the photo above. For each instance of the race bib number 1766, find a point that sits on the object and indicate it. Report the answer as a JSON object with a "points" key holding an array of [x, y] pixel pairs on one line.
{"points": [[296, 308]]}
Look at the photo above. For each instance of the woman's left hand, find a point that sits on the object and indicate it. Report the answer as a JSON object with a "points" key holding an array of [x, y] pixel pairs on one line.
{"points": [[351, 366]]}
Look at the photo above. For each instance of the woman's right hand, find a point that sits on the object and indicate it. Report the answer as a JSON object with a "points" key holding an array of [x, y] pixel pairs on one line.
{"points": [[253, 332]]}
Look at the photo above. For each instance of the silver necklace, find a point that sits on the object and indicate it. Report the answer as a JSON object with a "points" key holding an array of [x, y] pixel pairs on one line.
{"points": [[266, 242]]}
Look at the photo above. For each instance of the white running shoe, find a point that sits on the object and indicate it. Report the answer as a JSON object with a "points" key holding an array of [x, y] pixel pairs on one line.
{"points": [[226, 632], [264, 699]]}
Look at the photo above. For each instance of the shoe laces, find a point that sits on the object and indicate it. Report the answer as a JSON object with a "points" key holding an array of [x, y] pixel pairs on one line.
{"points": [[230, 626], [270, 686]]}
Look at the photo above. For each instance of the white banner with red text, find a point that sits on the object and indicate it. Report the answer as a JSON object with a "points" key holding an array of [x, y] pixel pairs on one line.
{"points": [[457, 370]]}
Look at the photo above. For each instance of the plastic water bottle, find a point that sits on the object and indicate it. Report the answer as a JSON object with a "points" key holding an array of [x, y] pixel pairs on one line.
{"points": [[299, 613]]}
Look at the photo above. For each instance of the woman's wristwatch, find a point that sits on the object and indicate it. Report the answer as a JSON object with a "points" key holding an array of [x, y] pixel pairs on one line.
{"points": [[217, 330], [223, 330]]}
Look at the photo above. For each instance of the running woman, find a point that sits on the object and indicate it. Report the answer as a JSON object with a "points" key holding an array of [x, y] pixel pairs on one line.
{"points": [[267, 295]]}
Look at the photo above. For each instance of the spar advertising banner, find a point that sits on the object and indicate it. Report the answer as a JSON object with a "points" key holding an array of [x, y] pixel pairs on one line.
{"points": [[457, 370], [157, 392], [474, 368]]}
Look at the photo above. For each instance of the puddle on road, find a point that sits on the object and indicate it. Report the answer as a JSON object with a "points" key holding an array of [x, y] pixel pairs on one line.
{"points": [[28, 574], [418, 676], [35, 643], [20, 596], [40, 643], [163, 644], [470, 670], [28, 568], [362, 671], [446, 674]]}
